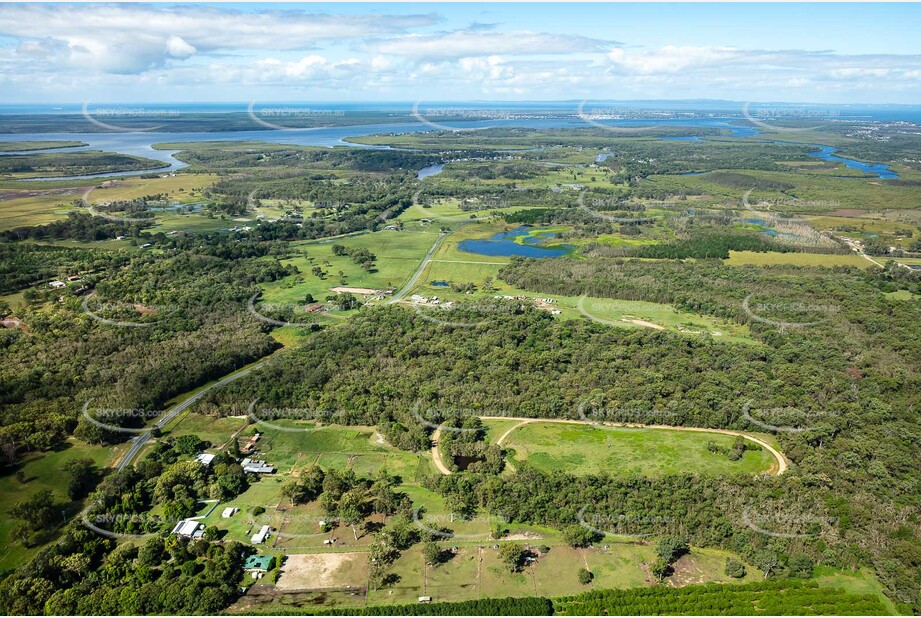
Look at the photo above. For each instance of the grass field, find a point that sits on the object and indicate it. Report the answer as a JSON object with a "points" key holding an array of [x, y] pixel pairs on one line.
{"points": [[398, 256], [37, 205], [42, 471], [20, 208], [627, 451], [753, 258], [183, 187], [38, 145]]}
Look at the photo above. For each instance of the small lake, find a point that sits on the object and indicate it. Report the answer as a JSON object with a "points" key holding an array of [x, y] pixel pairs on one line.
{"points": [[503, 244], [431, 170]]}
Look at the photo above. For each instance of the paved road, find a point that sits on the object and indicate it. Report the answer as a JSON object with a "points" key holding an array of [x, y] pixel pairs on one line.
{"points": [[781, 467], [415, 278], [179, 408]]}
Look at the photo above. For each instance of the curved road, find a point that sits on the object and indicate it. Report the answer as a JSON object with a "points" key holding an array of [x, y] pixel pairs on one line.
{"points": [[781, 467], [170, 414]]}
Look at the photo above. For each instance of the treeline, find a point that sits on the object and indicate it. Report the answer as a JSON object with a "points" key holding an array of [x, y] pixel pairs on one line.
{"points": [[75, 163], [743, 182], [528, 606], [78, 226], [710, 245], [310, 158], [767, 598], [86, 574]]}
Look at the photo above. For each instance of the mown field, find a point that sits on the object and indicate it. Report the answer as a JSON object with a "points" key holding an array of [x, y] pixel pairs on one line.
{"points": [[627, 451]]}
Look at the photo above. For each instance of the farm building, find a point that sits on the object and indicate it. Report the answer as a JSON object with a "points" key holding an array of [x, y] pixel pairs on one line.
{"points": [[261, 536], [189, 528], [205, 459], [57, 284], [256, 466]]}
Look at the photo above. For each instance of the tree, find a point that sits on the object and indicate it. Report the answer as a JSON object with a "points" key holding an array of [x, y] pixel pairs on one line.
{"points": [[431, 552], [512, 556], [352, 509], [661, 569], [670, 548], [585, 577], [734, 568], [580, 536], [39, 511], [82, 475]]}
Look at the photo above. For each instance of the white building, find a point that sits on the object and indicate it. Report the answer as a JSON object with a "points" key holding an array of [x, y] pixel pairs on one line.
{"points": [[205, 459], [189, 528], [261, 536]]}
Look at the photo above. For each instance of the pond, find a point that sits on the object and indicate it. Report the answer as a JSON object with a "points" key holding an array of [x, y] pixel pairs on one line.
{"points": [[503, 244], [431, 170]]}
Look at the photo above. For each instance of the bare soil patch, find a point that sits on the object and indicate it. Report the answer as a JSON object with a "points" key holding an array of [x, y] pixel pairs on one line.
{"points": [[317, 571]]}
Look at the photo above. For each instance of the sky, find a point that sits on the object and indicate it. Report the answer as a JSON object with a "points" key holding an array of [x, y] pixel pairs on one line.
{"points": [[371, 52]]}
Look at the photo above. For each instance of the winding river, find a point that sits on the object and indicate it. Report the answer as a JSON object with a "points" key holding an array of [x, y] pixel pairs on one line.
{"points": [[141, 143]]}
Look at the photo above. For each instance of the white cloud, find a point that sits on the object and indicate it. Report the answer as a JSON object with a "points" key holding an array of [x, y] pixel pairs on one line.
{"points": [[135, 38], [669, 59], [177, 47], [479, 41]]}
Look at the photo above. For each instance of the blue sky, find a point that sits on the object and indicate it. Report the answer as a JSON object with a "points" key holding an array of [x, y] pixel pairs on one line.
{"points": [[825, 53]]}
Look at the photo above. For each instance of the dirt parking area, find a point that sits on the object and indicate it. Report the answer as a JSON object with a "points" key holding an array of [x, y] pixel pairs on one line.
{"points": [[316, 571]]}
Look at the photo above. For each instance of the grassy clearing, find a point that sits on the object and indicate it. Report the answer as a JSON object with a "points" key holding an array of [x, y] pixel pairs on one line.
{"points": [[43, 471], [583, 449], [855, 582], [398, 256], [20, 208], [184, 188], [753, 258]]}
